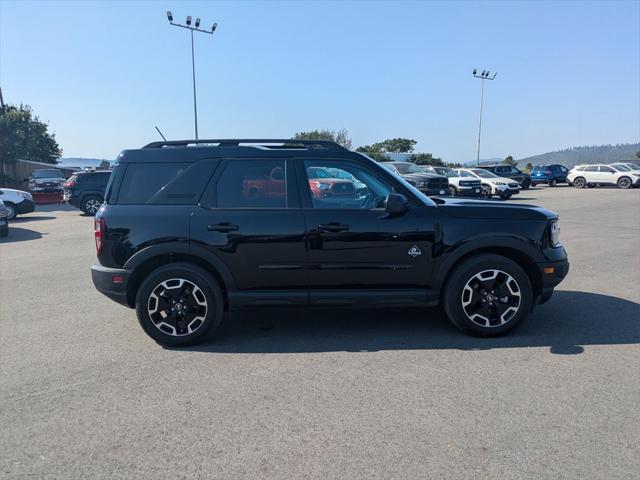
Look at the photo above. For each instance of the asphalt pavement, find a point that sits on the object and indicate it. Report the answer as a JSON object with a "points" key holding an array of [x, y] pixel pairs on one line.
{"points": [[324, 394]]}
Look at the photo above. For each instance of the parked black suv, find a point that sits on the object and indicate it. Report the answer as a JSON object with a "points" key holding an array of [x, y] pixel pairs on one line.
{"points": [[509, 171], [190, 229], [85, 190], [428, 183]]}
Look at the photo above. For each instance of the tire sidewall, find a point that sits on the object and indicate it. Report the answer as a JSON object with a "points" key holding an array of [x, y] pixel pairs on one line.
{"points": [[12, 209], [452, 298], [205, 282], [624, 178], [579, 182]]}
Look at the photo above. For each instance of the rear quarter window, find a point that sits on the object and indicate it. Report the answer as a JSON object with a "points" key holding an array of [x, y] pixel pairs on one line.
{"points": [[164, 183]]}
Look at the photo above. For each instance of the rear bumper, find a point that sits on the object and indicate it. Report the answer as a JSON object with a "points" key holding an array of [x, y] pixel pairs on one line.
{"points": [[103, 280], [25, 206]]}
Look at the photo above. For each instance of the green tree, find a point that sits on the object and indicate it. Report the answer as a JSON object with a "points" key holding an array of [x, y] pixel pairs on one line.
{"points": [[426, 159], [397, 145], [23, 136], [529, 167], [510, 161], [341, 137]]}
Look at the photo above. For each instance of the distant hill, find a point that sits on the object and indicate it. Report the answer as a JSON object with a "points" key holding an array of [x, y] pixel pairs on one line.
{"points": [[593, 154], [483, 161]]}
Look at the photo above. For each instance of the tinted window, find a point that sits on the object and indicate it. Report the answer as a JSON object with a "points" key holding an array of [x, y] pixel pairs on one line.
{"points": [[252, 184], [94, 178], [164, 183], [47, 174], [607, 169]]}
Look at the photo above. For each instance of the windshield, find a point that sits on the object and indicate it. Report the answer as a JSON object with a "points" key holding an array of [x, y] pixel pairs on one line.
{"points": [[405, 168], [47, 174], [483, 173]]}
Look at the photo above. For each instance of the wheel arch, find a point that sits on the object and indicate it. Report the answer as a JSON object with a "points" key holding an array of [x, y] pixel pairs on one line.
{"points": [[147, 260], [512, 252]]}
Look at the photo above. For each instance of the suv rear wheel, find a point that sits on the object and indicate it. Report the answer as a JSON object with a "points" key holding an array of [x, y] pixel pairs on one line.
{"points": [[487, 295], [178, 304], [91, 204]]}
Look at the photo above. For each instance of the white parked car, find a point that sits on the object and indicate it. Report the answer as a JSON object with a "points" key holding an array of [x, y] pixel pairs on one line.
{"points": [[626, 167], [491, 183], [582, 176], [17, 202]]}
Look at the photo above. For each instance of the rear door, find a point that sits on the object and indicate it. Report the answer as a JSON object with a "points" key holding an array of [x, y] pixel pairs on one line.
{"points": [[250, 219]]}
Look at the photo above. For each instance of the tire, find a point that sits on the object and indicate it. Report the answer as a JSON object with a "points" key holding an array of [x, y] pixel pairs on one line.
{"points": [[486, 191], [462, 297], [4, 233], [526, 184], [205, 302], [553, 182], [13, 212], [505, 196], [624, 182], [533, 184], [579, 182], [91, 204]]}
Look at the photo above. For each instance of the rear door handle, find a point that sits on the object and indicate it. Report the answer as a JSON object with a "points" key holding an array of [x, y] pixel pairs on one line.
{"points": [[222, 227], [333, 227]]}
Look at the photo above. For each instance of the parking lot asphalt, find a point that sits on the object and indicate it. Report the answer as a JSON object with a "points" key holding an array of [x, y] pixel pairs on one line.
{"points": [[328, 393]]}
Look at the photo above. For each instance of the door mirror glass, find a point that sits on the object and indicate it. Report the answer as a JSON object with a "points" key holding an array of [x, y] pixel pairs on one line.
{"points": [[396, 204]]}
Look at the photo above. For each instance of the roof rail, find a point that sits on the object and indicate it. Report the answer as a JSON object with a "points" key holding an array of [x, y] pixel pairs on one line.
{"points": [[251, 142]]}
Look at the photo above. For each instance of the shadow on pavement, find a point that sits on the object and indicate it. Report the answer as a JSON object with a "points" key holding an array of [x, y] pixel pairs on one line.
{"points": [[565, 324], [30, 218], [17, 234]]}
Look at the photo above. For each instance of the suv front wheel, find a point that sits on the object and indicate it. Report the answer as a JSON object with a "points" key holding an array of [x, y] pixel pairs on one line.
{"points": [[487, 295], [178, 304]]}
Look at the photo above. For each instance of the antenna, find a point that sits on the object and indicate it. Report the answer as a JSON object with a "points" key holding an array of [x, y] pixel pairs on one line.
{"points": [[161, 133]]}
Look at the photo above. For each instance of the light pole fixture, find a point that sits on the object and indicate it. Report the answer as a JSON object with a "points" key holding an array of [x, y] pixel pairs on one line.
{"points": [[484, 75], [195, 28]]}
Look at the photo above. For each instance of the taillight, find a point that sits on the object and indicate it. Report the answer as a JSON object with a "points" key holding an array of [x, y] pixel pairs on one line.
{"points": [[69, 184], [98, 232]]}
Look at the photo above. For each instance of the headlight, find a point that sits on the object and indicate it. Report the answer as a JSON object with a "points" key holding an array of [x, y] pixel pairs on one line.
{"points": [[421, 184], [554, 233], [323, 186], [25, 195]]}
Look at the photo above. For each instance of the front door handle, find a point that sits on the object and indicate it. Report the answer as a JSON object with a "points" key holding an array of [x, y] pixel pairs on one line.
{"points": [[222, 227], [333, 227]]}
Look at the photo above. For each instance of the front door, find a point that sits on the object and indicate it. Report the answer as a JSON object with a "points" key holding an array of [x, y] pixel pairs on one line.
{"points": [[249, 219], [352, 244]]}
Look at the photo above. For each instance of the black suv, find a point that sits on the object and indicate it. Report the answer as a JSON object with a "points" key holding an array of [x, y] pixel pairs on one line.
{"points": [[85, 190], [509, 171], [427, 182], [190, 229]]}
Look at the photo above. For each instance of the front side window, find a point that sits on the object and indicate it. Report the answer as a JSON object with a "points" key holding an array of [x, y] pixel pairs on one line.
{"points": [[253, 184], [350, 186]]}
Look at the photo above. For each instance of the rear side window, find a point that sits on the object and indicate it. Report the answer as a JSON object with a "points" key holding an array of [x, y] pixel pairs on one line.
{"points": [[252, 184], [164, 183], [589, 169]]}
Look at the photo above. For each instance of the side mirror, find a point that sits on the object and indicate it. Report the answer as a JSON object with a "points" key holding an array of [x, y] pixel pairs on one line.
{"points": [[396, 205]]}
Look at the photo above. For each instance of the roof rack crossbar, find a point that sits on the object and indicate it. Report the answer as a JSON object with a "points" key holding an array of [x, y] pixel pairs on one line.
{"points": [[327, 144]]}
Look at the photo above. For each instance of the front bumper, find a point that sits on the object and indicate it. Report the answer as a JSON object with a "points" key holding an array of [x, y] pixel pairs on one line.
{"points": [[25, 206], [103, 279], [506, 190], [552, 274], [473, 191], [435, 192]]}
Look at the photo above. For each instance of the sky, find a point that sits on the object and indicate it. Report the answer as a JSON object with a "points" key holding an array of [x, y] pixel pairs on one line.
{"points": [[103, 74]]}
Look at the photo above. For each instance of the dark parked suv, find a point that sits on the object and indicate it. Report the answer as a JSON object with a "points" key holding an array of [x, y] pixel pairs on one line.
{"points": [[428, 183], [549, 174], [85, 190], [190, 229], [509, 171]]}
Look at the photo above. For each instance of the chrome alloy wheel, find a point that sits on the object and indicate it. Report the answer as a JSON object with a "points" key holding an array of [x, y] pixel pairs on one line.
{"points": [[491, 298], [93, 206], [177, 307]]}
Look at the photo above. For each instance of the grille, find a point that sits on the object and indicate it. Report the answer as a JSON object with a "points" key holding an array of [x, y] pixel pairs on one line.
{"points": [[513, 185], [438, 183]]}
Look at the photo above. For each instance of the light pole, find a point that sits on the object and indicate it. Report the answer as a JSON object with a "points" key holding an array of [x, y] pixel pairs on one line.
{"points": [[192, 29], [484, 75]]}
